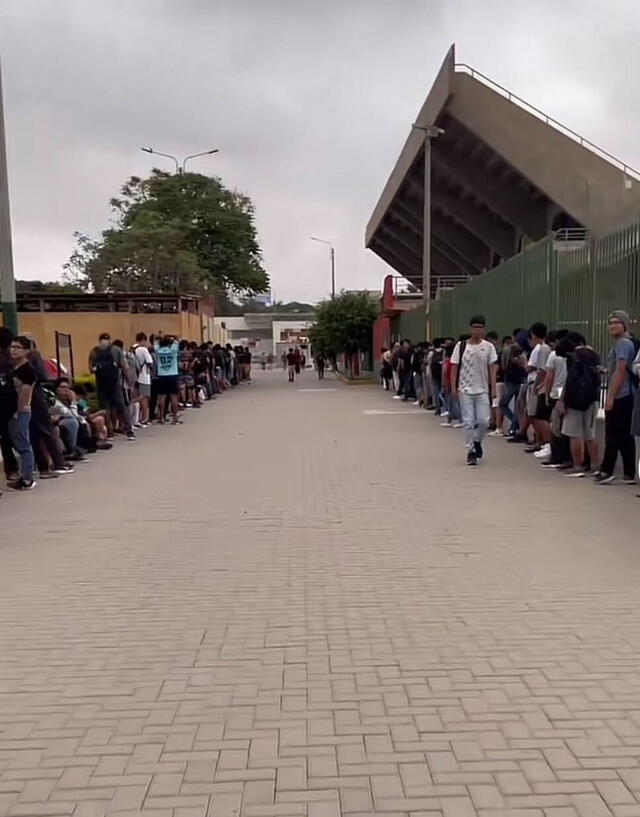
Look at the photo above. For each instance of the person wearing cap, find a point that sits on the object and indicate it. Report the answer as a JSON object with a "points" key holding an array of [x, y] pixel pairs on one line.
{"points": [[619, 405]]}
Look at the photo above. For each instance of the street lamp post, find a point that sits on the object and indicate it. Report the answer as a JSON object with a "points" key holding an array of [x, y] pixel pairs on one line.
{"points": [[430, 132], [7, 282], [180, 168], [332, 256]]}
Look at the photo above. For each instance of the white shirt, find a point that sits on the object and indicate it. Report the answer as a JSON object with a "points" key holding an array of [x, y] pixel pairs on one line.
{"points": [[474, 368], [538, 359], [145, 362], [557, 365]]}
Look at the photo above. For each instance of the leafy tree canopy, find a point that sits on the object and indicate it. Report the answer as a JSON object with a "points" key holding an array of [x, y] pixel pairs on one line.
{"points": [[47, 288], [173, 233], [344, 324]]}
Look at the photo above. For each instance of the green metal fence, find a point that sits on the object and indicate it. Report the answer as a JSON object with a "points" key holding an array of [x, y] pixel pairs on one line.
{"points": [[564, 284]]}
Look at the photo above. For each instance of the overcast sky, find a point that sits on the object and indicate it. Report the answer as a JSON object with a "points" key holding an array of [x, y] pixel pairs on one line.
{"points": [[309, 102]]}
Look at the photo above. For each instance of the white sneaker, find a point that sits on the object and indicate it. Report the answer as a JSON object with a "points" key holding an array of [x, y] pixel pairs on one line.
{"points": [[458, 425], [446, 425], [544, 452], [417, 403], [496, 433], [397, 397]]}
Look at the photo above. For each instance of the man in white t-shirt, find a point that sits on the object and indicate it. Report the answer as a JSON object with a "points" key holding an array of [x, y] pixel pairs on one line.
{"points": [[538, 407], [145, 367], [473, 380]]}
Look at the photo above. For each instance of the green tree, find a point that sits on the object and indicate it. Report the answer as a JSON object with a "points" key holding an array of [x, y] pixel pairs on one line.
{"points": [[47, 288], [184, 232], [344, 324]]}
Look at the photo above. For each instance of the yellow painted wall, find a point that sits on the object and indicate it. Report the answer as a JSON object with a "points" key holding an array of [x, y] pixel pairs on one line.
{"points": [[84, 328]]}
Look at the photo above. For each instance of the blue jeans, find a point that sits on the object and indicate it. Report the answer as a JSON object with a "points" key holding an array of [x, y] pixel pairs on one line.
{"points": [[19, 431], [510, 393], [476, 416], [452, 407]]}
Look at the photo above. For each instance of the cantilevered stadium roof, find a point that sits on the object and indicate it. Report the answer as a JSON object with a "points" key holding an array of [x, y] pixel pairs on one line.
{"points": [[503, 173]]}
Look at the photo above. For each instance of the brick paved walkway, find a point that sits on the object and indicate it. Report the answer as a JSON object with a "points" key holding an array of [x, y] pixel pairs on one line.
{"points": [[279, 610]]}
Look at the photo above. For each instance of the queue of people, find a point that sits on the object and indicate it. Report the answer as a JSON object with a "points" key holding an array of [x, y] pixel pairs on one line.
{"points": [[537, 387], [49, 425]]}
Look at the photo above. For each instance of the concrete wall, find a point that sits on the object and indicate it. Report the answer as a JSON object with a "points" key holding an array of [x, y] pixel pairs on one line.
{"points": [[586, 186], [84, 328]]}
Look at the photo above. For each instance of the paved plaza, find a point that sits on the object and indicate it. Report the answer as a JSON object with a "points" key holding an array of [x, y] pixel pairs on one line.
{"points": [[302, 603]]}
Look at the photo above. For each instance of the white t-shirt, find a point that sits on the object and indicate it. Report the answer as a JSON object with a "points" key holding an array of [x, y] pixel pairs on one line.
{"points": [[145, 362], [474, 369], [557, 365], [538, 359]]}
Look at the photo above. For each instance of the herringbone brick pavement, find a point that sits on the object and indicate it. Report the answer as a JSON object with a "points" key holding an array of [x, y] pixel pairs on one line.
{"points": [[291, 607]]}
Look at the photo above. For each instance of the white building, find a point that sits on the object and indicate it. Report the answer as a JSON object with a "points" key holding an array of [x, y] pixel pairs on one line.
{"points": [[268, 332]]}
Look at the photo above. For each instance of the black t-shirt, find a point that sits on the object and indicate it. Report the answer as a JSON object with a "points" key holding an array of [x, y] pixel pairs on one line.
{"points": [[26, 375], [292, 358], [8, 395]]}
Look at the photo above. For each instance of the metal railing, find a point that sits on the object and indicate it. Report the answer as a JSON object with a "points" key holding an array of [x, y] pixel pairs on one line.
{"points": [[549, 120], [571, 234], [569, 290]]}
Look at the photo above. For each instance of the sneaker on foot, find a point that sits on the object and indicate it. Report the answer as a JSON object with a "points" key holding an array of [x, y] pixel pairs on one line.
{"points": [[544, 452], [21, 484], [458, 425], [478, 450], [604, 479], [65, 469], [472, 458], [131, 436], [48, 475], [575, 473], [446, 424], [495, 433]]}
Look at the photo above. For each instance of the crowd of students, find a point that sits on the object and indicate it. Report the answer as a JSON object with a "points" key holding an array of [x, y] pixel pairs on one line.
{"points": [[47, 425], [539, 388]]}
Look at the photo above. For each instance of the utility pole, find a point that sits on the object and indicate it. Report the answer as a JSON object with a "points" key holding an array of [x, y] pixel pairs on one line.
{"points": [[332, 256], [430, 132], [7, 282]]}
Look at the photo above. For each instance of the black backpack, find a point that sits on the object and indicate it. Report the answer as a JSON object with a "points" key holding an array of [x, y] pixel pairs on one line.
{"points": [[582, 387], [106, 369], [635, 380]]}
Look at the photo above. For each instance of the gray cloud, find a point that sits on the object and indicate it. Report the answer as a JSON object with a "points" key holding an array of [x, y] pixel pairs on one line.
{"points": [[309, 101]]}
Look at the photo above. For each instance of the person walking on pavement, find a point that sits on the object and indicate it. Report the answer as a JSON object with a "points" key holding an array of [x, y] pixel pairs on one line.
{"points": [[320, 366], [473, 380], [293, 365], [619, 405]]}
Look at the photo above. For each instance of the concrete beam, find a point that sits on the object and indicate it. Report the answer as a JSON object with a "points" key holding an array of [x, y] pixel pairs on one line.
{"points": [[411, 257], [445, 266], [501, 239], [511, 204], [453, 255], [404, 212], [476, 252], [463, 247], [411, 271]]}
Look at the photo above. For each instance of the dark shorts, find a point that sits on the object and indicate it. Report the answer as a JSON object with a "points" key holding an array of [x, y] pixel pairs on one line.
{"points": [[544, 408], [168, 385], [111, 399]]}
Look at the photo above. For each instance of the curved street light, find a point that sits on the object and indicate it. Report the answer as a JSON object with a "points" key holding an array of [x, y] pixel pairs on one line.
{"points": [[180, 167], [332, 255]]}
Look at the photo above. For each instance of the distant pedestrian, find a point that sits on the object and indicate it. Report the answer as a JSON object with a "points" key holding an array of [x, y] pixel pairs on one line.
{"points": [[320, 366], [293, 365]]}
